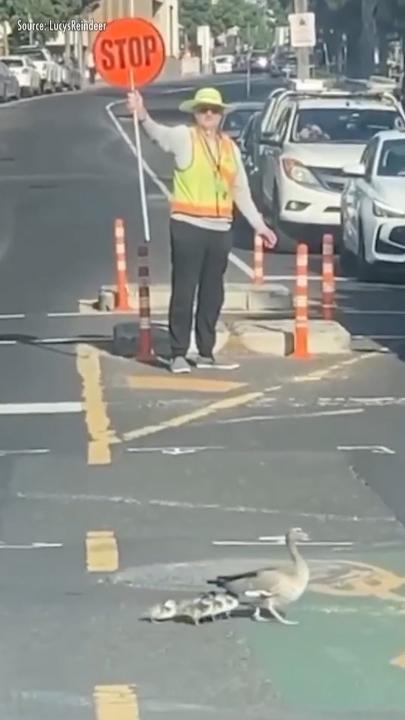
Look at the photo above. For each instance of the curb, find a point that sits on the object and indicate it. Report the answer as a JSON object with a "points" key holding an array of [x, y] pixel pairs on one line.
{"points": [[269, 338], [276, 337]]}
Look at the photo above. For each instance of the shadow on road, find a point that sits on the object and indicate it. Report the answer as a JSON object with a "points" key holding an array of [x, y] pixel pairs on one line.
{"points": [[373, 313]]}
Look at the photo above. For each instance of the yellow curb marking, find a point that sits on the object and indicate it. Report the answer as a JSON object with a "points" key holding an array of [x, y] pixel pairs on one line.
{"points": [[202, 385], [399, 661], [101, 436], [180, 420], [318, 375], [101, 551], [116, 702]]}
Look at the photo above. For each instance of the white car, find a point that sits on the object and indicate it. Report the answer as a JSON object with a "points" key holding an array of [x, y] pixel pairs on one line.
{"points": [[373, 208], [308, 138], [9, 89], [27, 75], [223, 63], [50, 72]]}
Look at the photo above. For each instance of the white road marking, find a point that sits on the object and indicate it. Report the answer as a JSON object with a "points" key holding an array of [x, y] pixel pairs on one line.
{"points": [[281, 541], [31, 546], [367, 401], [329, 402], [376, 449], [30, 451], [350, 311], [374, 336], [50, 408], [311, 278], [240, 264], [291, 416], [173, 450], [70, 339], [182, 505], [12, 316]]}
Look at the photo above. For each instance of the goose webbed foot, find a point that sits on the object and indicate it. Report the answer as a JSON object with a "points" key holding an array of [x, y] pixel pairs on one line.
{"points": [[258, 617], [281, 617]]}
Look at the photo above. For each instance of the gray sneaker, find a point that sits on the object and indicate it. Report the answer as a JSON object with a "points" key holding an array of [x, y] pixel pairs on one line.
{"points": [[209, 363], [179, 365], [202, 362]]}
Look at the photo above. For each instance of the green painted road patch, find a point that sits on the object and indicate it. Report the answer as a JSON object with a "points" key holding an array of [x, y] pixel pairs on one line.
{"points": [[346, 653]]}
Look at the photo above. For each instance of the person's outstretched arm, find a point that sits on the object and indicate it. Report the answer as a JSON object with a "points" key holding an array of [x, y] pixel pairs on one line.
{"points": [[243, 200], [171, 139]]}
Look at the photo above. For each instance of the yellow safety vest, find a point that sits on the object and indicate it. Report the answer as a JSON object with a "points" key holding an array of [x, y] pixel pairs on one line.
{"points": [[204, 189]]}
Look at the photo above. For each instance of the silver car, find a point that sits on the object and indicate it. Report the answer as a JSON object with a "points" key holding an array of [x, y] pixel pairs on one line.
{"points": [[373, 208], [9, 87]]}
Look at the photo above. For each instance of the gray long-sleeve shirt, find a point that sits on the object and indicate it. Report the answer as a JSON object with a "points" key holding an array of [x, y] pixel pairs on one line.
{"points": [[177, 140]]}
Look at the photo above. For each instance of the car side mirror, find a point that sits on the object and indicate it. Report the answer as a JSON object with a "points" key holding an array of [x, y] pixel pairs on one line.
{"points": [[354, 170], [271, 139]]}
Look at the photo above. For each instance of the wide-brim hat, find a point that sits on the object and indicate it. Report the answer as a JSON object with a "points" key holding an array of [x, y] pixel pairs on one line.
{"points": [[204, 96]]}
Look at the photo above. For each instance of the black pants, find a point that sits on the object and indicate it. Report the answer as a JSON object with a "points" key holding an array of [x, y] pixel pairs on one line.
{"points": [[199, 259]]}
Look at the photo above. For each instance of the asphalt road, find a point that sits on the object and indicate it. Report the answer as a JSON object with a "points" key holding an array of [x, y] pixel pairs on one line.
{"points": [[187, 476]]}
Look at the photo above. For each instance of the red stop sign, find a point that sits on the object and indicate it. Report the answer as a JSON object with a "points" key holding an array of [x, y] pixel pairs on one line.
{"points": [[129, 46]]}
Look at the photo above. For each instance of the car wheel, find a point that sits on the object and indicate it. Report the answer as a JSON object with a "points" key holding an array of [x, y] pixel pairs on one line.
{"points": [[365, 271]]}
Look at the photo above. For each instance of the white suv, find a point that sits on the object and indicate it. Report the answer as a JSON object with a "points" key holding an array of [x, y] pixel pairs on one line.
{"points": [[307, 139], [50, 72]]}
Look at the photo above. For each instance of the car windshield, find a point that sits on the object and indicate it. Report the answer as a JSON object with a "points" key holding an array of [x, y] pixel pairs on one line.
{"points": [[11, 62], [343, 125], [235, 121], [392, 159]]}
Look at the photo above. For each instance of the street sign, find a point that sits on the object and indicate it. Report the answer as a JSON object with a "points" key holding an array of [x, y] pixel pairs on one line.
{"points": [[130, 51], [302, 30]]}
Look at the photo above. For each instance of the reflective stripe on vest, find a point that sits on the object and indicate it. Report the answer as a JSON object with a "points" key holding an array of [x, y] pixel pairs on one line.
{"points": [[204, 189]]}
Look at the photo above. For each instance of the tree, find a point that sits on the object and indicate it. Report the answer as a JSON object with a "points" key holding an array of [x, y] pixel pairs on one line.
{"points": [[390, 18], [192, 14]]}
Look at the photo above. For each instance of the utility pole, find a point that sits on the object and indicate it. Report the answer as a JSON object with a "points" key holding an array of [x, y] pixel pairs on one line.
{"points": [[301, 6]]}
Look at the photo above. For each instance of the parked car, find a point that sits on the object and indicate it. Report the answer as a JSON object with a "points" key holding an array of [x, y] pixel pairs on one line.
{"points": [[289, 65], [373, 208], [309, 137], [25, 72], [72, 78], [284, 63], [9, 87], [240, 63], [259, 61], [235, 120], [223, 63], [49, 70]]}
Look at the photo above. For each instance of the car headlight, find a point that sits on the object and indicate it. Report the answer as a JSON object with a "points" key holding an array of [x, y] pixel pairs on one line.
{"points": [[298, 172], [385, 211]]}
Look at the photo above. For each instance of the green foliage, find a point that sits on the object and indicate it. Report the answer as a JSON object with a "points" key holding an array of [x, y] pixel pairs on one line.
{"points": [[193, 13], [225, 14], [11, 10]]}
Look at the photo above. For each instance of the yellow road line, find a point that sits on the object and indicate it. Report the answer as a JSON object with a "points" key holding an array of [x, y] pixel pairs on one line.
{"points": [[116, 702], [101, 436], [101, 551], [399, 661], [180, 420], [201, 385]]}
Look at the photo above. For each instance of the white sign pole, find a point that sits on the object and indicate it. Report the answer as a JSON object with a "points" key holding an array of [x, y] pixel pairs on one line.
{"points": [[138, 145]]}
